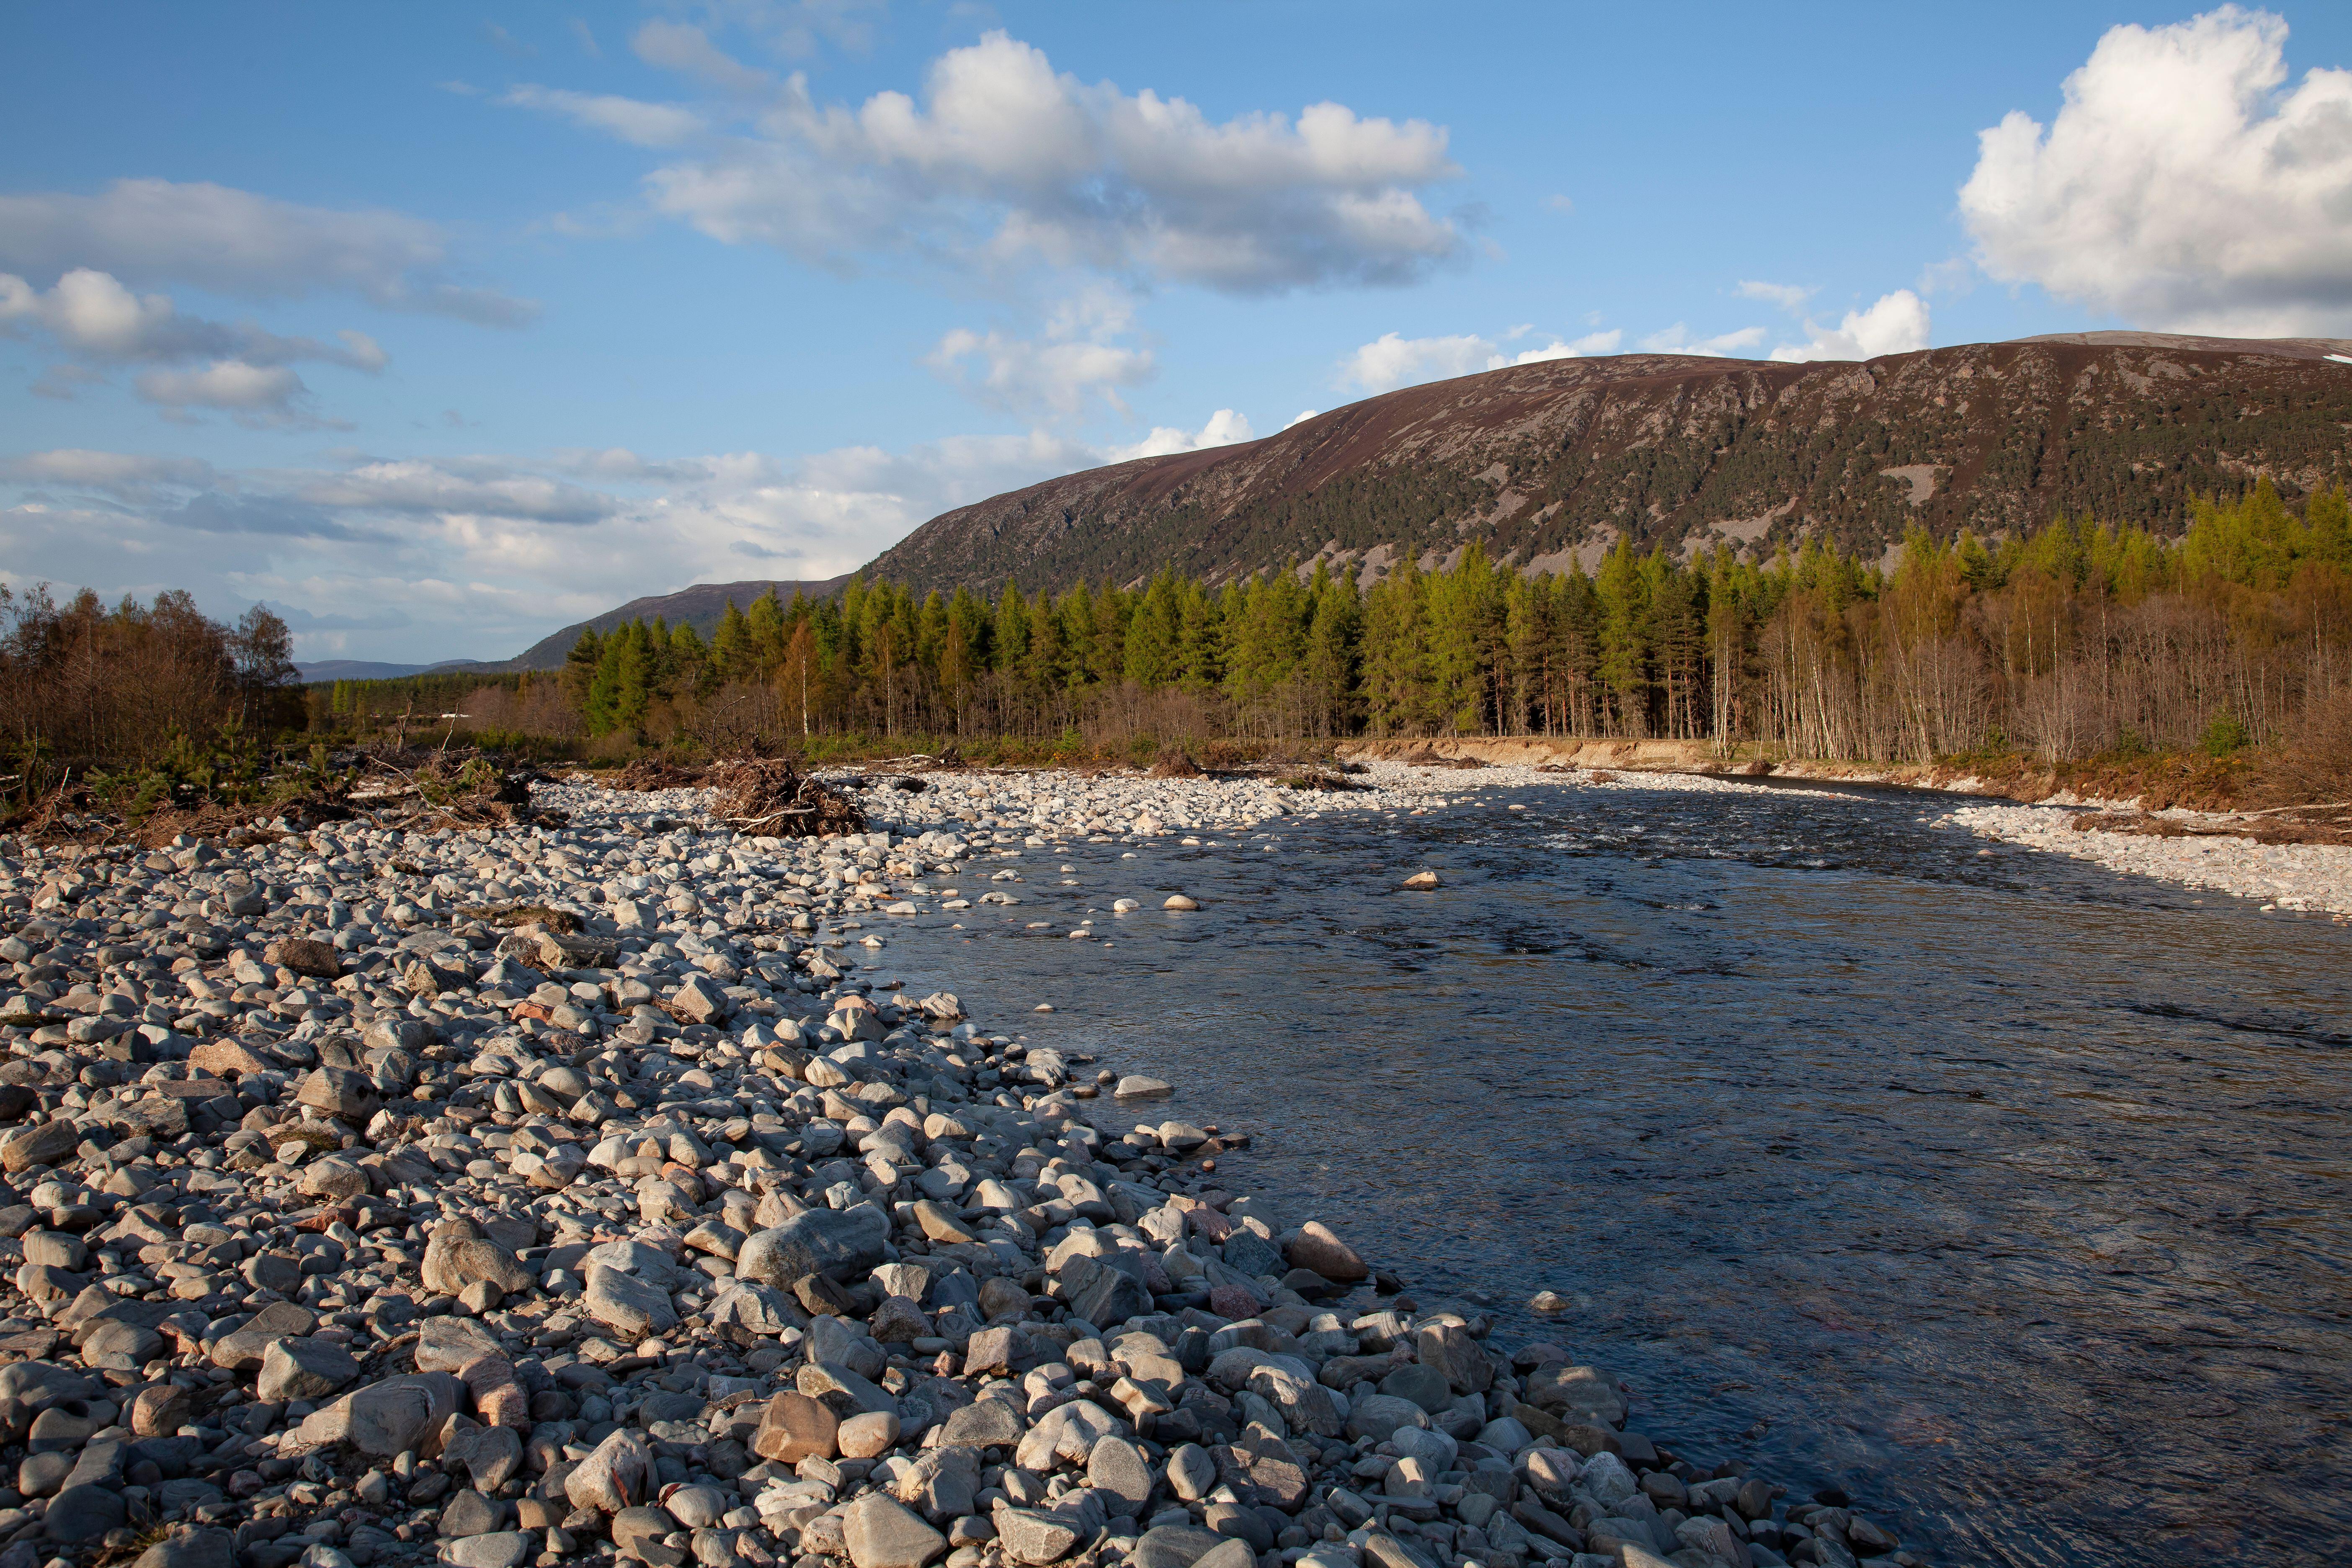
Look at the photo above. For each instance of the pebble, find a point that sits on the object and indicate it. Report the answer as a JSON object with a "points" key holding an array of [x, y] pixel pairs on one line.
{"points": [[672, 1238]]}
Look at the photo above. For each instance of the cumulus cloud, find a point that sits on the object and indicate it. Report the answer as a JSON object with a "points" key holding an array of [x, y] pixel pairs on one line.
{"points": [[630, 119], [123, 475], [237, 243], [1302, 416], [1394, 360], [419, 487], [1224, 430], [2182, 185], [1585, 347], [1027, 373], [1077, 357], [1005, 159], [1896, 323], [257, 395], [90, 312], [1678, 340]]}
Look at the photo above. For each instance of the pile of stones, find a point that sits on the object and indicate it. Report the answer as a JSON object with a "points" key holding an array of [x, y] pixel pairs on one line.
{"points": [[352, 1226]]}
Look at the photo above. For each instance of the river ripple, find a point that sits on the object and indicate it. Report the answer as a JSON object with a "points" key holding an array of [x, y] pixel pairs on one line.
{"points": [[2006, 1192]]}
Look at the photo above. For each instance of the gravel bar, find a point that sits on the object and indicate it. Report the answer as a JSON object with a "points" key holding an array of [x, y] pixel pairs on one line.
{"points": [[495, 1197]]}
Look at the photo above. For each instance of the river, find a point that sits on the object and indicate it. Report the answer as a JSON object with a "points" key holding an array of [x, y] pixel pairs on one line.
{"points": [[2004, 1193]]}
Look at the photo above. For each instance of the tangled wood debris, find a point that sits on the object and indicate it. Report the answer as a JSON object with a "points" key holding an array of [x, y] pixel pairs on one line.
{"points": [[774, 797]]}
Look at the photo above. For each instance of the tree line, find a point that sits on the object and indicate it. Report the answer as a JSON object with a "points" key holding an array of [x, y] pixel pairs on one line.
{"points": [[85, 684], [2076, 640], [2072, 641]]}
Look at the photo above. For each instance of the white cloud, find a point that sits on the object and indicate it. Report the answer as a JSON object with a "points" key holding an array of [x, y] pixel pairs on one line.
{"points": [[119, 474], [1678, 340], [1005, 160], [1896, 323], [259, 396], [234, 242], [1559, 203], [1304, 415], [2180, 186], [1591, 343], [90, 312], [1225, 429], [630, 119], [420, 488], [1026, 373], [1077, 357], [1393, 359], [479, 556], [1789, 297]]}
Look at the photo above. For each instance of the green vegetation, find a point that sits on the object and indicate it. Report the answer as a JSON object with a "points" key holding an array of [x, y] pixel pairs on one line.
{"points": [[2077, 641]]}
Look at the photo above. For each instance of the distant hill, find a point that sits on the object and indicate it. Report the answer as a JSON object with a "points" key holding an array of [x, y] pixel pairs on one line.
{"points": [[356, 669], [1547, 463], [701, 606]]}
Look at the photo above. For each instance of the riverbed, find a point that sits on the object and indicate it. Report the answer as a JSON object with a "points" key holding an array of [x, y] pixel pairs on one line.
{"points": [[2003, 1192]]}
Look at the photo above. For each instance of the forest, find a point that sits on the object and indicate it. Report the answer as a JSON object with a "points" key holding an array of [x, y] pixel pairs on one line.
{"points": [[2078, 640]]}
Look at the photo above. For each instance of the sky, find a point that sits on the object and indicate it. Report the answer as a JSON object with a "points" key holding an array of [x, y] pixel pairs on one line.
{"points": [[437, 327]]}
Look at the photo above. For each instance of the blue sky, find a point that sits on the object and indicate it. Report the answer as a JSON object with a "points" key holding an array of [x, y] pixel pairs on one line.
{"points": [[437, 327]]}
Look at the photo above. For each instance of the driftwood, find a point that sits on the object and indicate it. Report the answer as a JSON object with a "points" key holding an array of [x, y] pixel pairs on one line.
{"points": [[771, 797]]}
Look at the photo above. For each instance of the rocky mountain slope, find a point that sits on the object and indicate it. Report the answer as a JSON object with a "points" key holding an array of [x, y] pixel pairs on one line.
{"points": [[1546, 463]]}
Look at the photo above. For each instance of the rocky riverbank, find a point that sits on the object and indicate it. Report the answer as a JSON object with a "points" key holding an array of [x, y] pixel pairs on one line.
{"points": [[552, 1195], [2313, 878]]}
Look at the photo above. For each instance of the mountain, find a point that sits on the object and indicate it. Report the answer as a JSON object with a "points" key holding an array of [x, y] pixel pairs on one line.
{"points": [[1552, 462], [701, 606]]}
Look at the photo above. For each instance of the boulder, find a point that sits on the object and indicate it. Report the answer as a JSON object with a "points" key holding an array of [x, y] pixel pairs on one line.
{"points": [[209, 1547], [1317, 1248], [84, 1513], [795, 1427], [1034, 1537], [500, 1549], [882, 1532], [249, 1347], [846, 1242], [44, 1145], [616, 1475], [304, 1369], [388, 1417], [1066, 1435], [340, 1092], [632, 1305], [446, 1344]]}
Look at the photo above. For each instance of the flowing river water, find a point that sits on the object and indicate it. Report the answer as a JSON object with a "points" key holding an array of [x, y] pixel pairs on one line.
{"points": [[2005, 1192]]}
